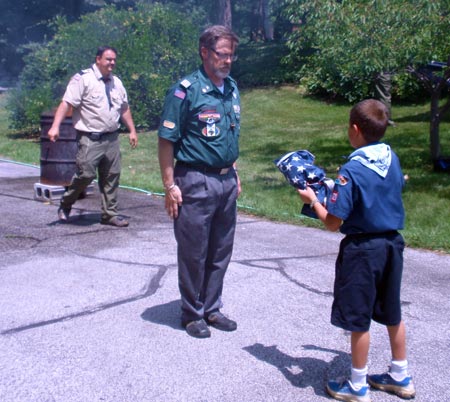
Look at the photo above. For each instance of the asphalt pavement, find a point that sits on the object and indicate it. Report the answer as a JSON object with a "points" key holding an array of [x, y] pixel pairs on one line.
{"points": [[92, 313]]}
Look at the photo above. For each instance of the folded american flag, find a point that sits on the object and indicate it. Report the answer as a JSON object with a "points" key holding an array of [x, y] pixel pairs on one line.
{"points": [[299, 170]]}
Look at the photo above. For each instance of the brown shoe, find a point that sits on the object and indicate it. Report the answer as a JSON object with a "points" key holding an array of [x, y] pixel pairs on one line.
{"points": [[115, 221]]}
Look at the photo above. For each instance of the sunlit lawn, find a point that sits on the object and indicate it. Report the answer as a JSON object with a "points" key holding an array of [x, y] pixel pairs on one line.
{"points": [[278, 120]]}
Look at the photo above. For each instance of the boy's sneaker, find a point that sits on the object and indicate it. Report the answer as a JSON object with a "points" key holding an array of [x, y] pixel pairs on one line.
{"points": [[344, 391], [384, 382]]}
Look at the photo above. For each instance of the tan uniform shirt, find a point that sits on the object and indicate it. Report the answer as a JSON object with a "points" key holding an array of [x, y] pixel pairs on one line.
{"points": [[86, 92]]}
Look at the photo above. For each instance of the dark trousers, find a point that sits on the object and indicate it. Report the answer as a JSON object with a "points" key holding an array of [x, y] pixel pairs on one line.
{"points": [[204, 231]]}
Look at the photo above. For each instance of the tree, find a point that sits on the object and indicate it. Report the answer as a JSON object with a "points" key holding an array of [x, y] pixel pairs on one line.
{"points": [[339, 46], [435, 78], [156, 45], [27, 21]]}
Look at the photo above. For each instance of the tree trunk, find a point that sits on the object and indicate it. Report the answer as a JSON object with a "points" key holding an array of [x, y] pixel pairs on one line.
{"points": [[224, 12], [435, 119], [267, 24]]}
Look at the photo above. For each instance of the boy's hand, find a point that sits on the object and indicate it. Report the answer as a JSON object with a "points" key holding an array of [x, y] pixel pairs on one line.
{"points": [[307, 195]]}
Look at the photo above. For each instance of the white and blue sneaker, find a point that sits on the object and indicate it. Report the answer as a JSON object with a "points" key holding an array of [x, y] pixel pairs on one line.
{"points": [[384, 382], [344, 391]]}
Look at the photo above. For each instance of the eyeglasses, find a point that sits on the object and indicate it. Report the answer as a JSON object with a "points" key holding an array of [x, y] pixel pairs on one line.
{"points": [[224, 56]]}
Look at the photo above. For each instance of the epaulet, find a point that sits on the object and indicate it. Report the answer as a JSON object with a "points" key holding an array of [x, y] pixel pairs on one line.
{"points": [[185, 83], [78, 75]]}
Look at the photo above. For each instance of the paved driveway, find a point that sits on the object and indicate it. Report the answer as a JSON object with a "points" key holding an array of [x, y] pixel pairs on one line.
{"points": [[91, 312]]}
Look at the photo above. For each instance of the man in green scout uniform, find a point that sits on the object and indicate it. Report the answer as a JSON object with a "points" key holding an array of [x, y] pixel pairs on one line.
{"points": [[199, 128], [99, 101]]}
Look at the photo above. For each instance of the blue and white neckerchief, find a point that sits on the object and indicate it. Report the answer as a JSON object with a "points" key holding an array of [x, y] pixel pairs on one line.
{"points": [[377, 157]]}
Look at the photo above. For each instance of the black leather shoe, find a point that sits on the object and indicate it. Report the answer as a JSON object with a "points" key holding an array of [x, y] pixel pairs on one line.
{"points": [[115, 221], [197, 329], [219, 321]]}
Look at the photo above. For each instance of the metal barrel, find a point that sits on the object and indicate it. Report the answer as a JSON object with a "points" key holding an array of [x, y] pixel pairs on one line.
{"points": [[58, 159]]}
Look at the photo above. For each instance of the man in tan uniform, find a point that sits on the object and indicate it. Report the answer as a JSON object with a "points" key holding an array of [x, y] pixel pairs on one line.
{"points": [[99, 101]]}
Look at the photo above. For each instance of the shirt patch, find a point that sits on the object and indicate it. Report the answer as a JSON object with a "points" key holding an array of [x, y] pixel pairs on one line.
{"points": [[209, 116], [180, 94], [168, 124], [341, 180], [237, 109], [334, 196], [211, 130]]}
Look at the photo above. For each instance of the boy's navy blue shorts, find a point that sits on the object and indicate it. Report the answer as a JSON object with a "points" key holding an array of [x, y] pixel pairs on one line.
{"points": [[368, 279]]}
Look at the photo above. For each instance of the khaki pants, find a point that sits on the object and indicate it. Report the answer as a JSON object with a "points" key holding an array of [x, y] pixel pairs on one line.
{"points": [[102, 155]]}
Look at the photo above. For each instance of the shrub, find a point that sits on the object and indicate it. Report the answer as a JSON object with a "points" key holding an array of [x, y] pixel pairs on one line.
{"points": [[156, 45]]}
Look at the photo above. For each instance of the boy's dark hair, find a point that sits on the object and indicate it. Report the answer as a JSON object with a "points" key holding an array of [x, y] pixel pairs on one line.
{"points": [[371, 116], [212, 34]]}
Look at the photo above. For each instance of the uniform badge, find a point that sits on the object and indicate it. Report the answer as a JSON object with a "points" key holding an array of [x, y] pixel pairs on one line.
{"points": [[341, 180], [210, 117], [334, 196], [168, 124]]}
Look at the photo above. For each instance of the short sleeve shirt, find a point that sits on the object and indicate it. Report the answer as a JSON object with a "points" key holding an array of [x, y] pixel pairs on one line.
{"points": [[86, 92], [202, 122], [367, 202]]}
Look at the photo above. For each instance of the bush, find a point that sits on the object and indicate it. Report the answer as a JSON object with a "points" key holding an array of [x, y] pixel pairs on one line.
{"points": [[338, 47], [156, 45]]}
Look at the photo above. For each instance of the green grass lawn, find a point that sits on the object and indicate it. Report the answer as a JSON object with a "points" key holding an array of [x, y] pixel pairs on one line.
{"points": [[279, 120]]}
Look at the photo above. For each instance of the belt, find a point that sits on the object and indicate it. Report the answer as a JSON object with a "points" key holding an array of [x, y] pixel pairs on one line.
{"points": [[205, 169], [370, 235], [95, 135]]}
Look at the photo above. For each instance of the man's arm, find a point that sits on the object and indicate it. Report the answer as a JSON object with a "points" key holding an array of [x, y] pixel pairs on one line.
{"points": [[173, 197], [60, 115], [127, 119]]}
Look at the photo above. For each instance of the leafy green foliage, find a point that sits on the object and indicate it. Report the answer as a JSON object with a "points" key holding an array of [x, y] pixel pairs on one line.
{"points": [[338, 47], [156, 45], [259, 64]]}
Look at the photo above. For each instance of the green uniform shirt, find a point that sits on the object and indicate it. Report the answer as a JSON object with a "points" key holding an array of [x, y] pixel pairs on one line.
{"points": [[202, 122]]}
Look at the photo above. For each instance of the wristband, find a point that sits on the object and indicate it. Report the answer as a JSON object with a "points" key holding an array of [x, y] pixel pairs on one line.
{"points": [[314, 202], [168, 188]]}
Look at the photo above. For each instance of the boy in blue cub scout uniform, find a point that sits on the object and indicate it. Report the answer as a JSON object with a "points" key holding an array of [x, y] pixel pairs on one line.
{"points": [[199, 128], [366, 205]]}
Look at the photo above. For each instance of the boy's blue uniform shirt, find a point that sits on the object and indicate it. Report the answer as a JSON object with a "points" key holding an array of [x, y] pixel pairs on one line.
{"points": [[366, 201], [203, 123]]}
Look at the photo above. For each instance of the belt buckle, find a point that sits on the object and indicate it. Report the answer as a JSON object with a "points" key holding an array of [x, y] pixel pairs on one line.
{"points": [[95, 136], [224, 171]]}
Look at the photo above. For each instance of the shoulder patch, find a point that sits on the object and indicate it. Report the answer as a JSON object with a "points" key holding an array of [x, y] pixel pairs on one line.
{"points": [[179, 93], [185, 83], [168, 124], [341, 180]]}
